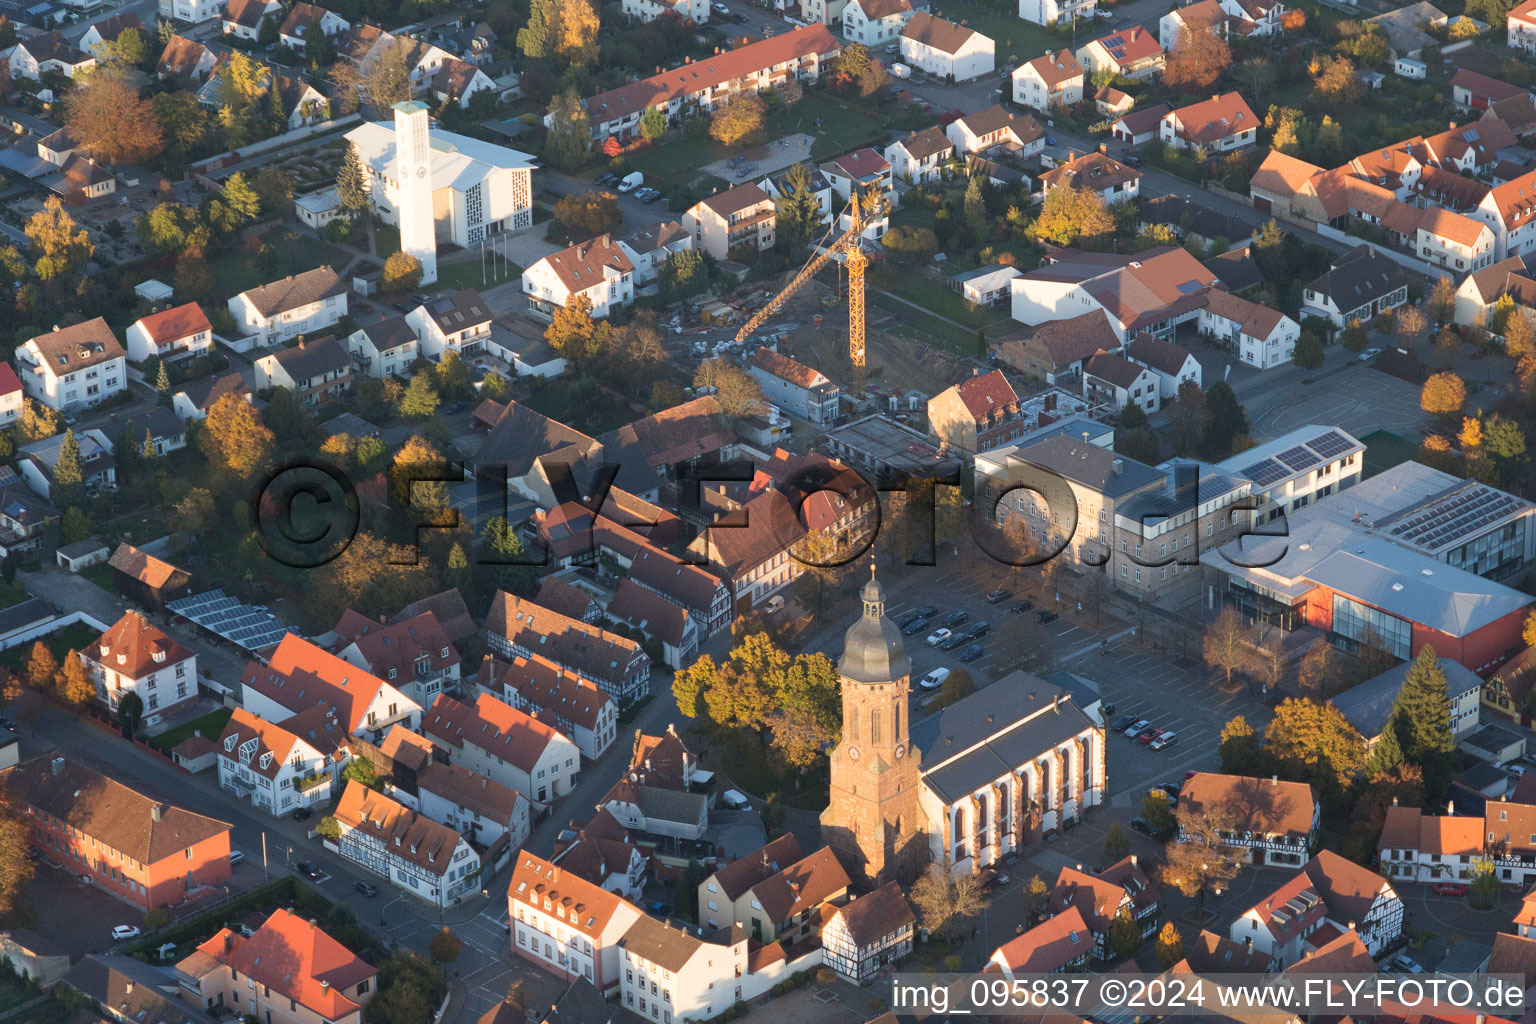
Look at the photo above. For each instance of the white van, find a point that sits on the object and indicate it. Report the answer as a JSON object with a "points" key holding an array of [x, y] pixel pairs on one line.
{"points": [[736, 800], [775, 604]]}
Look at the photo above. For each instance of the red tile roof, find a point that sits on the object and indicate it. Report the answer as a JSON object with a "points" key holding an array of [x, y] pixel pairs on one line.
{"points": [[986, 394], [408, 835], [1047, 947], [301, 675], [1265, 806], [1136, 44], [944, 36], [492, 725], [9, 382], [1054, 69], [134, 647], [785, 368], [545, 685], [1255, 320], [1291, 909], [547, 888], [175, 323], [1214, 119]]}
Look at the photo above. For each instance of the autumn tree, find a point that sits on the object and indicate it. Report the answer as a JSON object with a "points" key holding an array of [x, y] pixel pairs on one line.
{"points": [[1225, 644], [60, 247], [233, 436], [690, 685], [1528, 629], [1169, 947], [1318, 673], [587, 214], [42, 666], [573, 31], [1239, 748], [736, 390], [1201, 859], [444, 947], [1442, 301], [402, 272], [1519, 334], [570, 132], [1315, 742], [573, 333], [741, 122], [416, 458], [1157, 812], [1071, 213], [1197, 59], [1116, 843], [1444, 394], [798, 737], [1333, 78], [73, 686], [380, 83], [1411, 322], [945, 901], [106, 115], [16, 866]]}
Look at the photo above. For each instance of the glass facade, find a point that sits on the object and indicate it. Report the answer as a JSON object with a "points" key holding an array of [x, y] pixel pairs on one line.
{"points": [[1496, 555], [1262, 604], [1361, 625]]}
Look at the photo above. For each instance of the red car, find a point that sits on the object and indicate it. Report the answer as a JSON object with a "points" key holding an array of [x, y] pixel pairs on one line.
{"points": [[1450, 889], [1190, 774]]}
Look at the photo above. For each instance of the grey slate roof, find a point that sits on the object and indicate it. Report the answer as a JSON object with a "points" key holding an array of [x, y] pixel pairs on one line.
{"points": [[1007, 724], [1359, 276], [1369, 705], [1090, 465], [671, 804]]}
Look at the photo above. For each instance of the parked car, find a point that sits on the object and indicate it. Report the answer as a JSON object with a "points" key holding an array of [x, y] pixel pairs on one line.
{"points": [[979, 630], [1104, 15], [721, 9], [916, 626], [1045, 615], [1173, 789], [366, 888], [606, 180], [954, 619], [235, 857], [1162, 742], [1407, 964], [1020, 607], [1050, 141], [1149, 734], [125, 931], [308, 870], [972, 652], [1001, 879], [421, 298], [1134, 729], [1131, 160], [653, 196], [1124, 723], [935, 679], [927, 611], [1141, 825], [303, 814], [1365, 357], [999, 596], [955, 640], [1450, 889], [938, 636], [659, 908]]}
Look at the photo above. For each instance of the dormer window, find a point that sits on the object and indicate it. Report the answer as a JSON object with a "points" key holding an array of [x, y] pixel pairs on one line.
{"points": [[158, 656], [266, 760], [122, 659], [229, 743], [247, 750]]}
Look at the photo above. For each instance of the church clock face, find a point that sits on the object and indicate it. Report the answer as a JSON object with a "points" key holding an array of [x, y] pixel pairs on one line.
{"points": [[901, 751], [421, 172], [853, 753]]}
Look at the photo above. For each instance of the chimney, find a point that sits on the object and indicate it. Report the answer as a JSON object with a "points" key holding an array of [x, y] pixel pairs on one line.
{"points": [[1351, 926], [1133, 860], [1274, 780], [1104, 148], [154, 812], [128, 988], [1249, 943], [1450, 807], [325, 986], [58, 765], [1394, 801], [1119, 466], [1056, 703]]}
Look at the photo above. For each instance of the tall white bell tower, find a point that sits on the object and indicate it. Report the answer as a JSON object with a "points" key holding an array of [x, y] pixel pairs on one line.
{"points": [[413, 168]]}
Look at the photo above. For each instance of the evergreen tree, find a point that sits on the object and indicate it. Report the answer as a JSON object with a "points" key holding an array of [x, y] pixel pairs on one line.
{"points": [[125, 450], [420, 400], [533, 39], [147, 450], [68, 477], [975, 207], [351, 186], [507, 565], [1386, 754], [458, 567], [163, 381], [1124, 935], [1421, 717], [1228, 420]]}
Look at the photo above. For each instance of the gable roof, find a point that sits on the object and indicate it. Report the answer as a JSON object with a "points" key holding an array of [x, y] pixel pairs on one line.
{"points": [[460, 310], [108, 811], [300, 675], [736, 199], [801, 886], [1282, 174], [522, 436], [859, 164], [986, 394], [492, 725], [202, 393], [649, 612], [874, 10], [1163, 356], [741, 875], [926, 143], [1216, 118], [1253, 319], [944, 36], [1092, 170], [1047, 947], [1115, 368], [175, 323], [546, 685], [299, 17], [590, 650], [787, 369], [1266, 806], [302, 962], [1349, 889], [549, 889], [406, 834], [872, 917], [68, 349], [181, 56], [696, 428], [247, 13], [1129, 45], [295, 290], [1063, 342], [1054, 69], [142, 566]]}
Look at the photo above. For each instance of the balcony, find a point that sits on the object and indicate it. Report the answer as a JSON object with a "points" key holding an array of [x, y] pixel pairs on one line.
{"points": [[312, 782]]}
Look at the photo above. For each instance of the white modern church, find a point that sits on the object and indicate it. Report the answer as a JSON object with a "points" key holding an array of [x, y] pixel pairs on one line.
{"points": [[441, 187]]}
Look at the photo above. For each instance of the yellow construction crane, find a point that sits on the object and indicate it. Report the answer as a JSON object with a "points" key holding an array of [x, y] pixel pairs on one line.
{"points": [[850, 244]]}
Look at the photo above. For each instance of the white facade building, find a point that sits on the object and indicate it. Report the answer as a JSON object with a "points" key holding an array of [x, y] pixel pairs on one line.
{"points": [[427, 859], [304, 303], [77, 366]]}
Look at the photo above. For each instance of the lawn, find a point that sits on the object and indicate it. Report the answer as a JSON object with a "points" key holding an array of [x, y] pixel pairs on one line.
{"points": [[936, 297], [237, 269], [102, 575], [1384, 450], [469, 274], [210, 725], [919, 327], [1015, 38], [74, 637]]}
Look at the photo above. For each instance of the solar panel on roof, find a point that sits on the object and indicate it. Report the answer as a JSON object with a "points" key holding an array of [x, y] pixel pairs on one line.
{"points": [[1118, 54], [246, 625], [1297, 458], [1331, 444], [1265, 473]]}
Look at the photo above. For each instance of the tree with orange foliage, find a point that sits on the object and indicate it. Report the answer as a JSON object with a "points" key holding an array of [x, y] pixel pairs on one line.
{"points": [[1197, 59], [1293, 20]]}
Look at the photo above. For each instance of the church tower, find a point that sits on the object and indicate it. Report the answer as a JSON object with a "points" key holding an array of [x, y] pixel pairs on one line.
{"points": [[413, 197], [873, 822]]}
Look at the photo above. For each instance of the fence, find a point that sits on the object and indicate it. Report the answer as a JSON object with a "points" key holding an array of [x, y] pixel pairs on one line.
{"points": [[52, 624], [234, 156]]}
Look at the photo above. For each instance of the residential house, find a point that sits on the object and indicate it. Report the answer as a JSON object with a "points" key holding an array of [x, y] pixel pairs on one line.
{"points": [[1114, 103], [186, 58], [458, 81], [298, 675], [781, 907], [657, 618], [567, 925], [491, 816], [1058, 944], [602, 852], [24, 516], [696, 11], [1058, 349], [1113, 382], [504, 744], [134, 656], [144, 579], [1510, 209], [1473, 91], [194, 11], [1051, 12], [665, 451], [181, 332], [316, 371], [721, 892], [144, 852], [518, 627], [1293, 921], [304, 18], [992, 127], [919, 159], [976, 415], [563, 699], [1256, 18], [1442, 237], [1521, 26], [74, 366], [242, 18], [823, 12], [282, 767], [649, 249], [734, 223], [308, 976], [1131, 52], [1102, 896], [1217, 125], [868, 934], [38, 459], [11, 394], [1095, 172], [942, 48], [701, 592], [304, 303], [99, 34], [875, 23], [1281, 924], [749, 548], [868, 173], [1138, 127], [414, 655], [383, 349], [794, 387], [1146, 293], [459, 322], [1358, 285], [984, 286], [1173, 364], [1050, 80], [127, 990], [1202, 14], [799, 55], [428, 859], [35, 57], [1274, 822], [196, 397], [674, 975], [1419, 847], [598, 271], [1260, 336], [1479, 294]]}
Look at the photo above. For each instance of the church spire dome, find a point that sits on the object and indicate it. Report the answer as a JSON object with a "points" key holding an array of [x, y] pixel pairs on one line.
{"points": [[873, 651]]}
